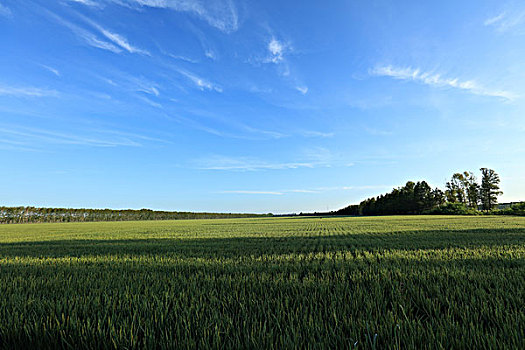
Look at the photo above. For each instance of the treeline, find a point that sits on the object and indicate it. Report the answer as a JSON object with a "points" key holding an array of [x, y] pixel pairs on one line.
{"points": [[17, 215], [463, 195], [413, 198]]}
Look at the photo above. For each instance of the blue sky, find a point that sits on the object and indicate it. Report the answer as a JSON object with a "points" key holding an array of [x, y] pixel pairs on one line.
{"points": [[255, 106]]}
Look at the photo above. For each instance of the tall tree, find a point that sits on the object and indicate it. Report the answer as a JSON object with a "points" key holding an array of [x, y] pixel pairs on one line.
{"points": [[423, 197], [456, 189], [489, 190]]}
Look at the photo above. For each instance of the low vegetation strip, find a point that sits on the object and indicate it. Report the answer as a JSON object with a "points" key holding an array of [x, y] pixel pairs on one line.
{"points": [[23, 215], [359, 282]]}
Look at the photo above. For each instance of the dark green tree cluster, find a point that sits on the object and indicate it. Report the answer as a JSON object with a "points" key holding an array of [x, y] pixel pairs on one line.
{"points": [[352, 210], [463, 188], [413, 198], [463, 195], [16, 215]]}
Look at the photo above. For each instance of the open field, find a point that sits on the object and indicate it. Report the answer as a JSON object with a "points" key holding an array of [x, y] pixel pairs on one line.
{"points": [[396, 282]]}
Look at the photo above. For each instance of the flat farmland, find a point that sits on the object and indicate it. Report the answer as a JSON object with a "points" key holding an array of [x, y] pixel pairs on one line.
{"points": [[354, 282]]}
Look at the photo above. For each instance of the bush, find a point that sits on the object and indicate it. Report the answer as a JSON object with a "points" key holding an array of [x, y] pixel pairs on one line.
{"points": [[453, 209], [516, 209]]}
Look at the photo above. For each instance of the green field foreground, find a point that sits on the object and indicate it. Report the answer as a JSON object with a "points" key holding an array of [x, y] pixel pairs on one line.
{"points": [[368, 282]]}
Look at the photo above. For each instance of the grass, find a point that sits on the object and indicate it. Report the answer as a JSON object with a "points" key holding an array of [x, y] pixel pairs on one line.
{"points": [[380, 282]]}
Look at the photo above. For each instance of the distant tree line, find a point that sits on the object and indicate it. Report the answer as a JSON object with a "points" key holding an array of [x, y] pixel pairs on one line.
{"points": [[463, 195], [16, 215], [413, 198]]}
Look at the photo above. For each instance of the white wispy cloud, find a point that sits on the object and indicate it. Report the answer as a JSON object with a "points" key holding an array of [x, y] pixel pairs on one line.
{"points": [[495, 19], [150, 102], [278, 192], [253, 192], [39, 138], [247, 164], [131, 135], [313, 133], [366, 187], [302, 89], [26, 91], [316, 190], [276, 49], [85, 35], [201, 83], [353, 188], [322, 156], [87, 2], [142, 85], [32, 136], [210, 54], [268, 133], [192, 123], [134, 83], [228, 128], [51, 69], [437, 80], [276, 53], [180, 57], [506, 20], [5, 11], [117, 43], [109, 81], [150, 90], [220, 14], [314, 157], [116, 39], [377, 132], [303, 191], [122, 42], [260, 90]]}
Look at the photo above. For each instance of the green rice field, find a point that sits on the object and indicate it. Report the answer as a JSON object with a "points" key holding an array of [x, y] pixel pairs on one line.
{"points": [[395, 282]]}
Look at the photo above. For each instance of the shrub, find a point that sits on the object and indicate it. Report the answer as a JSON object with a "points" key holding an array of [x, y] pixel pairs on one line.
{"points": [[453, 209], [518, 209]]}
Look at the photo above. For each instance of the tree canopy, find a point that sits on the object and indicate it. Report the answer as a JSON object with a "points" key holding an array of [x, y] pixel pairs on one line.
{"points": [[463, 195]]}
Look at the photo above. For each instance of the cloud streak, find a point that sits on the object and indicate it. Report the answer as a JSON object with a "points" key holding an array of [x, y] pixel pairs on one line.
{"points": [[51, 69], [266, 133], [85, 35], [36, 138], [302, 89], [180, 57], [201, 83], [437, 80], [5, 11], [253, 192], [150, 102], [116, 44], [308, 191], [122, 42], [86, 2], [26, 91], [116, 39], [248, 164], [505, 20], [313, 133], [317, 157], [220, 14]]}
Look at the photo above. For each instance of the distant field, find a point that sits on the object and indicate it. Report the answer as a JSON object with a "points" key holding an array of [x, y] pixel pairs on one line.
{"points": [[376, 282]]}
